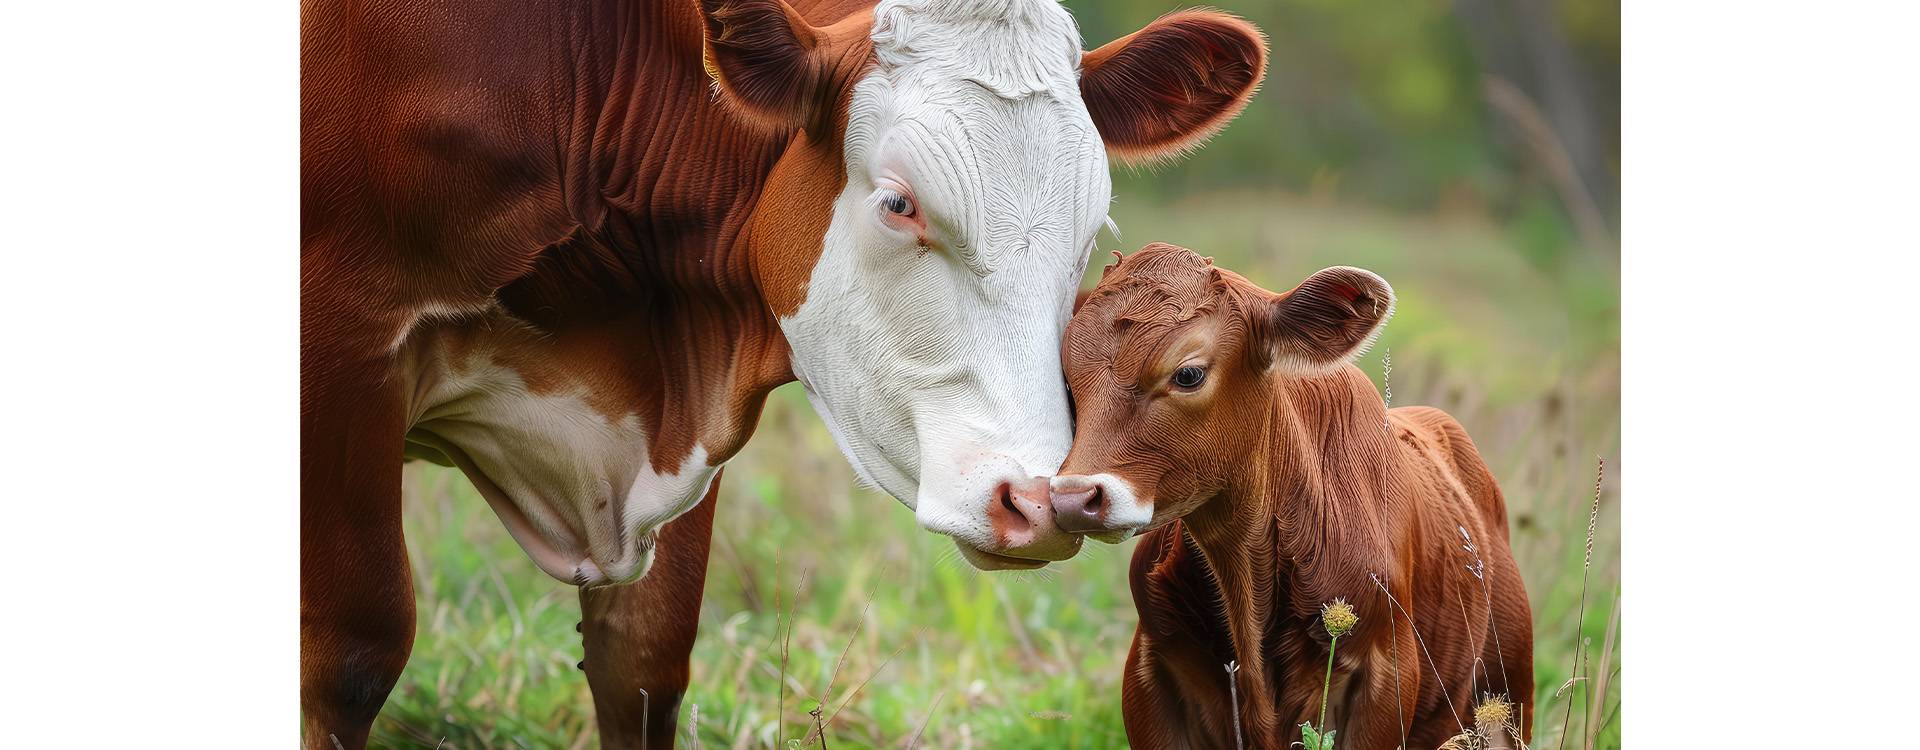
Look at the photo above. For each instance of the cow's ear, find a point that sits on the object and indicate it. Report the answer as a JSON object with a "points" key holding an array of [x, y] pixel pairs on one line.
{"points": [[1325, 322], [765, 59], [1165, 89]]}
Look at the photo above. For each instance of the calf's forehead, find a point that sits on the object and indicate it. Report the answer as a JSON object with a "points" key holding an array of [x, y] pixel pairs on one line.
{"points": [[1140, 305]]}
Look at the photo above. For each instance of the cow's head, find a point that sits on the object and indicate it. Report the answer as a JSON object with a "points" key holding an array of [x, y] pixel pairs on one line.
{"points": [[1174, 366], [968, 143]]}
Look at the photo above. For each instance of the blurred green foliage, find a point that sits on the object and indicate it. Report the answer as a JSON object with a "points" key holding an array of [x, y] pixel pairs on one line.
{"points": [[1381, 102]]}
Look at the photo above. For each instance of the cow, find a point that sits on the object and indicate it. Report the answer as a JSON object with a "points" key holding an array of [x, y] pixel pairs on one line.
{"points": [[1227, 423], [569, 246]]}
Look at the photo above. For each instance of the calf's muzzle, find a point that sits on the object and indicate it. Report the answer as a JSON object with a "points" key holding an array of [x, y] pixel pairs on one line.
{"points": [[1081, 509], [1100, 506]]}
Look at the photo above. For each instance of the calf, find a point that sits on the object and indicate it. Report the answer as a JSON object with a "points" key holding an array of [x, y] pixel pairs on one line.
{"points": [[1227, 421]]}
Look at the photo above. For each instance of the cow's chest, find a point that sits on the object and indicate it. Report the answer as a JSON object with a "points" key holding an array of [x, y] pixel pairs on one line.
{"points": [[556, 447]]}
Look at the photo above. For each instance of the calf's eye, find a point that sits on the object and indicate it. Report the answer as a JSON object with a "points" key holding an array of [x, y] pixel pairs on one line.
{"points": [[1189, 377]]}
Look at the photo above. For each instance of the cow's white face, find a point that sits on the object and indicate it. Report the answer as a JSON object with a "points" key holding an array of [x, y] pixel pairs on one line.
{"points": [[974, 140], [929, 339]]}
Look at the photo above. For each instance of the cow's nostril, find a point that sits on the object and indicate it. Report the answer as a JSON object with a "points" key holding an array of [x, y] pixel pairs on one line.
{"points": [[1010, 517]]}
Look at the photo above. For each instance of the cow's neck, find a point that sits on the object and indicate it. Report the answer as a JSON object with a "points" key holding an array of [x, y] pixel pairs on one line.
{"points": [[694, 229], [1304, 522]]}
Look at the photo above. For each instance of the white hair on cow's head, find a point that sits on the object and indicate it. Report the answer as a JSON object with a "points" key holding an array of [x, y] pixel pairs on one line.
{"points": [[1013, 48]]}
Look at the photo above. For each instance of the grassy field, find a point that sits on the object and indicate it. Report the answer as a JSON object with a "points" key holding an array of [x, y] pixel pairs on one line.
{"points": [[1522, 347]]}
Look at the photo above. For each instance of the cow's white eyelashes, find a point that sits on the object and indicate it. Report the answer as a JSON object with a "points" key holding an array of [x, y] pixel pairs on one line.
{"points": [[897, 204], [896, 208]]}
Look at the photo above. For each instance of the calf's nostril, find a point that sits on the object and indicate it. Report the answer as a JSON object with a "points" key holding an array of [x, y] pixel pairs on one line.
{"points": [[1095, 506], [1082, 510]]}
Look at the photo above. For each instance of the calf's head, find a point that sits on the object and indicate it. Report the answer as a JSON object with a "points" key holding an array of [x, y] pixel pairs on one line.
{"points": [[974, 140], [1174, 366]]}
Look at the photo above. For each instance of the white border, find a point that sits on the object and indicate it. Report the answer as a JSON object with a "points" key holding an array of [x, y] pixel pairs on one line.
{"points": [[148, 387], [148, 422], [1769, 336]]}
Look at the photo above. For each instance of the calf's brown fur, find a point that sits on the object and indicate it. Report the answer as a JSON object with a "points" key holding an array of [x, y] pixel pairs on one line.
{"points": [[1277, 483]]}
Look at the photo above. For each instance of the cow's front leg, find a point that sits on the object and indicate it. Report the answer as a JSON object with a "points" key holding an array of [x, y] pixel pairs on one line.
{"points": [[356, 599], [638, 637]]}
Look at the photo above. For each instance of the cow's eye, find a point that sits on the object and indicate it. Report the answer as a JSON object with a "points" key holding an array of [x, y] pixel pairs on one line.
{"points": [[1189, 377], [898, 205]]}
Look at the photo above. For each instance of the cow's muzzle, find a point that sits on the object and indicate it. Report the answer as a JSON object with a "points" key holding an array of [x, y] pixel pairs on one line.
{"points": [[1023, 523]]}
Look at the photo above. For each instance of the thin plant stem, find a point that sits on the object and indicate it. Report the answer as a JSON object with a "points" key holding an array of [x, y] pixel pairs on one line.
{"points": [[1498, 652], [1479, 571], [1399, 711], [1326, 683], [924, 722], [1233, 691], [646, 715], [863, 683], [1579, 622], [1423, 649]]}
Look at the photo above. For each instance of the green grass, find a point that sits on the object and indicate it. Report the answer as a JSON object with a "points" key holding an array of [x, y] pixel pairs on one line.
{"points": [[1525, 353]]}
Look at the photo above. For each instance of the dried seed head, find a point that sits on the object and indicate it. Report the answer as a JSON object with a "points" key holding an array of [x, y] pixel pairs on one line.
{"points": [[1339, 618], [1462, 741], [1493, 714]]}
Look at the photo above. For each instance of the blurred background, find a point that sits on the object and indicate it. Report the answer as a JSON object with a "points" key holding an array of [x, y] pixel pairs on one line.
{"points": [[1468, 151]]}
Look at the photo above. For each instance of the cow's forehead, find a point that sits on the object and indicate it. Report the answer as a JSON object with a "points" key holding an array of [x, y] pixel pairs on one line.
{"points": [[1012, 48], [977, 105]]}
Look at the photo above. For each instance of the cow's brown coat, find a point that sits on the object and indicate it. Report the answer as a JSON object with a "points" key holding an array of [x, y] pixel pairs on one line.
{"points": [[1283, 483]]}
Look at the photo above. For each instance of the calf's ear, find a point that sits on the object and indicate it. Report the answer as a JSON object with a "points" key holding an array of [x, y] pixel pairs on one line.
{"points": [[1324, 322], [1163, 90], [765, 59]]}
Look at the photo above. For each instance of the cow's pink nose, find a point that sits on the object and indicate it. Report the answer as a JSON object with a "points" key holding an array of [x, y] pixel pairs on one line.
{"points": [[1020, 512], [1080, 510]]}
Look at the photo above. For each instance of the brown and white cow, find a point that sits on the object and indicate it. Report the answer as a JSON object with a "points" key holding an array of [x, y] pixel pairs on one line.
{"points": [[1227, 420], [569, 246]]}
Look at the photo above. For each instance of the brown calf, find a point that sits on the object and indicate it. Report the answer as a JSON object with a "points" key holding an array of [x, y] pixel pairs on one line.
{"points": [[1226, 419]]}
